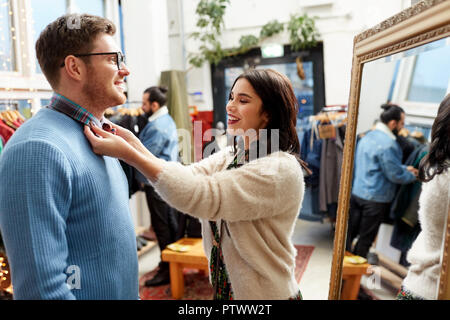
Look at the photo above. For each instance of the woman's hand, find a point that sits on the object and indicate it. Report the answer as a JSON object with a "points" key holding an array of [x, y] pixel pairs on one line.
{"points": [[108, 144], [125, 146]]}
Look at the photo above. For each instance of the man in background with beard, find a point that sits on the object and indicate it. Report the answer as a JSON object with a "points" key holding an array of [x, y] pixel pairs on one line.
{"points": [[378, 170], [64, 211], [161, 138]]}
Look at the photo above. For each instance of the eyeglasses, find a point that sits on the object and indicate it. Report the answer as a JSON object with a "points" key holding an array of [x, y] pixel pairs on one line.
{"points": [[120, 58]]}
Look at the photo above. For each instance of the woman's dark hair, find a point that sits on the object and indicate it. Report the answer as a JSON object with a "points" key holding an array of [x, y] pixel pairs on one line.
{"points": [[280, 104], [158, 94], [437, 159], [391, 112]]}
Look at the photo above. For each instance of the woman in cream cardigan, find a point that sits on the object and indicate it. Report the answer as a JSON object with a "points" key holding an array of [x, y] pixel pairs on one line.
{"points": [[425, 254], [247, 197]]}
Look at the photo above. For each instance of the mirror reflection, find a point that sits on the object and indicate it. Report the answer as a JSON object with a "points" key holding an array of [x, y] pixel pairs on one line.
{"points": [[395, 226]]}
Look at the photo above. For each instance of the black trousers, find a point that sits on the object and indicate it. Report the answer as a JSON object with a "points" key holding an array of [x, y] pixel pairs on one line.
{"points": [[364, 220], [164, 220]]}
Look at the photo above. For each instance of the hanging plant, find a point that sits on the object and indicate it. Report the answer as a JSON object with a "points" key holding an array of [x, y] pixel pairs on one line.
{"points": [[210, 21], [302, 32], [270, 29], [248, 42]]}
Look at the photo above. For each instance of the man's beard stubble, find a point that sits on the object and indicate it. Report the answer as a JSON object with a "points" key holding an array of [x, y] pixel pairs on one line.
{"points": [[98, 94]]}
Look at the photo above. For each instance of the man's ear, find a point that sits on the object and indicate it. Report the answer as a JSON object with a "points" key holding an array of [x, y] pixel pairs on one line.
{"points": [[154, 106], [74, 67], [392, 124]]}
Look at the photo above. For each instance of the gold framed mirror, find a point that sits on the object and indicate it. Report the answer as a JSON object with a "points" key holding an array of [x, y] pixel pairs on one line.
{"points": [[390, 50]]}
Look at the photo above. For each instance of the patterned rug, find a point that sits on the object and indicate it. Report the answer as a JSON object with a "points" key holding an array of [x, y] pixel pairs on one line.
{"points": [[197, 286]]}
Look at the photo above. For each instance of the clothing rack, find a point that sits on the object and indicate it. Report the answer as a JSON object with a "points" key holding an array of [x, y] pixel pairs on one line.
{"points": [[134, 112], [10, 121], [321, 140]]}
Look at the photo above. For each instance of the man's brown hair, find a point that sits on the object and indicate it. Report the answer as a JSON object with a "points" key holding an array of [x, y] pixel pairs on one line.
{"points": [[69, 34]]}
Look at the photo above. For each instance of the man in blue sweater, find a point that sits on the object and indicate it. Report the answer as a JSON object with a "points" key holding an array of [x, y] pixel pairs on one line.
{"points": [[64, 213]]}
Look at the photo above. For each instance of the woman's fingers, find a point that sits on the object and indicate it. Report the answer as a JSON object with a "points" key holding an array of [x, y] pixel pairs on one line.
{"points": [[122, 132], [97, 138], [89, 135], [99, 131]]}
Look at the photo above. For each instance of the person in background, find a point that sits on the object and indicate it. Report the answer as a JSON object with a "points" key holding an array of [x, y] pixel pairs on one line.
{"points": [[64, 211], [424, 256], [249, 201], [160, 137], [378, 170]]}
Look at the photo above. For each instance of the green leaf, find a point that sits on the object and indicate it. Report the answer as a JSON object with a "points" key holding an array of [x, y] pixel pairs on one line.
{"points": [[248, 41], [271, 28]]}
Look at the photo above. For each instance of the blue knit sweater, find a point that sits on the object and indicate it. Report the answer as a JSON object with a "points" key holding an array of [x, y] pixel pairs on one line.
{"points": [[64, 215]]}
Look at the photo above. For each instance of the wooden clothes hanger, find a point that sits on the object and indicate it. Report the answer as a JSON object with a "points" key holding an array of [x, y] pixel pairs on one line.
{"points": [[8, 116], [19, 116]]}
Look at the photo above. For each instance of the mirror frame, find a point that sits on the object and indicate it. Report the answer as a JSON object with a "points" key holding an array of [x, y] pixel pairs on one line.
{"points": [[426, 21]]}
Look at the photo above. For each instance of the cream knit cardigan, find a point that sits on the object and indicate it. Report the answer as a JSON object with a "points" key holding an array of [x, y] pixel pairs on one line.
{"points": [[259, 201], [425, 253]]}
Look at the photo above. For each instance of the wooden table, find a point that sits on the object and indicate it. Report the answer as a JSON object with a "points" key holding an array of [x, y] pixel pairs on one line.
{"points": [[195, 258], [351, 277]]}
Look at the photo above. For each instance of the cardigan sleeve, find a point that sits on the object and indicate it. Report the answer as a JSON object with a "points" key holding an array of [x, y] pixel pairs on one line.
{"points": [[259, 189], [35, 197]]}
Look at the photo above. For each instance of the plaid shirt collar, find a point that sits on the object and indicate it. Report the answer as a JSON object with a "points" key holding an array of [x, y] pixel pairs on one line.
{"points": [[78, 113]]}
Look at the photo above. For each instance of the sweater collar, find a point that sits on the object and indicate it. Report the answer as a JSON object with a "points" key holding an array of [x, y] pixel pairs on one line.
{"points": [[382, 127]]}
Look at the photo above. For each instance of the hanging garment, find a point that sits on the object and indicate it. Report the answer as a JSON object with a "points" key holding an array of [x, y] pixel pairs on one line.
{"points": [[310, 152], [330, 169], [405, 207], [5, 131], [310, 206]]}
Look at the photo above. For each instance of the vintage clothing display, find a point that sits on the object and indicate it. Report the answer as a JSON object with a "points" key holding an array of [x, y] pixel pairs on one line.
{"points": [[321, 140]]}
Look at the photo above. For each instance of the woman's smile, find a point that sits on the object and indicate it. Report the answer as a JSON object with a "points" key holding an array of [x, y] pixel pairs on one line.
{"points": [[232, 119]]}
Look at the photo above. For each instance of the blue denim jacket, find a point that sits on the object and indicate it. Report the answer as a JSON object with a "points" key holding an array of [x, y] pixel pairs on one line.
{"points": [[378, 168], [161, 138]]}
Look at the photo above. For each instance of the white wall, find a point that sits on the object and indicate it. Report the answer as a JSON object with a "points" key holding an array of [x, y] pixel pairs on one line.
{"points": [[146, 41], [375, 84], [338, 22], [145, 28]]}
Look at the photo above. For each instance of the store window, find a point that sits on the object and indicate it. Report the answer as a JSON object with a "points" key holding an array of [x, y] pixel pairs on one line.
{"points": [[95, 7], [22, 105], [7, 37], [428, 83], [46, 11], [421, 79]]}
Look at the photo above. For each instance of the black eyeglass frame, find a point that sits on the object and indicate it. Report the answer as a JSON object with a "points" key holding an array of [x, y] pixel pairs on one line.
{"points": [[120, 57]]}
